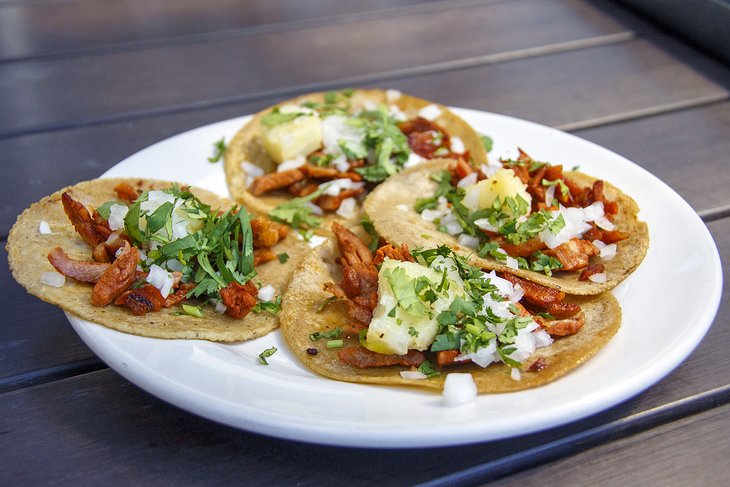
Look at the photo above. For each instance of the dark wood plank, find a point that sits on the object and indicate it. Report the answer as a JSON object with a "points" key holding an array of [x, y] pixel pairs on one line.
{"points": [[686, 149], [33, 29], [686, 452], [79, 90]]}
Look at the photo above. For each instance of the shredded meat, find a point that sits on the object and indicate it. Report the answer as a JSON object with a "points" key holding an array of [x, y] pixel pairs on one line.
{"points": [[543, 298], [142, 300], [180, 294], [562, 327], [363, 358], [590, 270], [397, 253], [613, 236], [263, 255], [107, 250], [448, 357], [239, 299], [353, 250], [573, 254], [126, 192], [267, 233], [82, 221], [524, 249], [83, 271], [117, 278], [302, 188], [317, 172], [275, 180], [329, 202], [423, 137]]}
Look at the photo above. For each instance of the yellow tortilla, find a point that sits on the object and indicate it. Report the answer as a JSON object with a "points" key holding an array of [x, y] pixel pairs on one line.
{"points": [[27, 251], [390, 207], [247, 145], [301, 316]]}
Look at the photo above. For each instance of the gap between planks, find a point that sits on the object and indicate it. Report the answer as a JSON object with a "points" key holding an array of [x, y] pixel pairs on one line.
{"points": [[554, 450], [423, 70]]}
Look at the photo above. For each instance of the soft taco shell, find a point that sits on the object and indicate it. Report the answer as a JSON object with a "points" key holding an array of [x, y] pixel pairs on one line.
{"points": [[390, 207], [301, 316], [27, 251], [247, 144]]}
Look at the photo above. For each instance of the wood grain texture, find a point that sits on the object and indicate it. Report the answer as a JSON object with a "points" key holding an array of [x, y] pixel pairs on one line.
{"points": [[33, 29], [82, 89], [685, 452]]}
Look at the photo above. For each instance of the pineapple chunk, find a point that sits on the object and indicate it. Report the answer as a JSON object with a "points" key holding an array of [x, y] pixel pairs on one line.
{"points": [[297, 137], [397, 332], [502, 184]]}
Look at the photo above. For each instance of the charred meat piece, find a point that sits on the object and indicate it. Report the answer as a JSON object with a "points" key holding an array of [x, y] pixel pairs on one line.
{"points": [[542, 298], [275, 180], [142, 300], [363, 358], [397, 253], [82, 221]]}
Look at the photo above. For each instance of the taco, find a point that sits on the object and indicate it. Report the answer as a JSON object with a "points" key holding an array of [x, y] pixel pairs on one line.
{"points": [[410, 318], [154, 259], [318, 154], [562, 229]]}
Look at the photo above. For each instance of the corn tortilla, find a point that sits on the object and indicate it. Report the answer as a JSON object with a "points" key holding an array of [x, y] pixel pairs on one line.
{"points": [[247, 145], [27, 251], [301, 316], [391, 208]]}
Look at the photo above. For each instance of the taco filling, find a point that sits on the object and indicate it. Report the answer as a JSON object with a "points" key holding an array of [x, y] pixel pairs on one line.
{"points": [[331, 151], [527, 214], [162, 248], [424, 309]]}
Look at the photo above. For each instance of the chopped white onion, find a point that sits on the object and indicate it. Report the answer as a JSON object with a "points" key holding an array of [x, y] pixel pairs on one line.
{"points": [[54, 279], [413, 374], [515, 374], [392, 95], [252, 169], [484, 224], [459, 389], [335, 186], [457, 145], [348, 208], [468, 241], [512, 263], [599, 277], [430, 112], [413, 160], [467, 180], [608, 252], [298, 161], [220, 308], [430, 215], [161, 279], [266, 293], [403, 207], [316, 210], [44, 228], [116, 216], [550, 195]]}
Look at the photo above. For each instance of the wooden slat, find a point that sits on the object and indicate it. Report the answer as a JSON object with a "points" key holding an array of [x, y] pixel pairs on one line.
{"points": [[78, 90], [686, 452], [33, 29], [686, 149]]}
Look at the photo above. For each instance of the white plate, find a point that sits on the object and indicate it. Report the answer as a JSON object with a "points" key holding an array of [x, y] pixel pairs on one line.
{"points": [[668, 305]]}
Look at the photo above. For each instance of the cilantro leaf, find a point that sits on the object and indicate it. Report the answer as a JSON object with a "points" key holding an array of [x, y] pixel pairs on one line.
{"points": [[219, 147]]}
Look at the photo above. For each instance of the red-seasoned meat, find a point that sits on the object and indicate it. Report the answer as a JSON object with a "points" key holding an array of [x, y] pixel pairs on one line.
{"points": [[142, 300], [562, 327], [542, 298], [352, 249], [82, 221], [266, 233], [179, 295], [126, 192], [397, 253], [275, 180], [329, 202], [239, 299], [117, 279], [590, 270], [363, 358], [83, 271], [573, 254]]}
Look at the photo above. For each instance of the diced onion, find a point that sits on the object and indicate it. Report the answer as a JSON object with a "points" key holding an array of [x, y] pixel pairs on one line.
{"points": [[392, 95], [161, 279], [348, 208], [599, 277], [413, 160], [291, 164], [44, 228], [515, 374], [484, 224], [430, 215], [512, 263], [266, 293], [467, 180], [220, 308], [459, 389], [54, 279], [550, 195], [252, 169], [468, 241], [116, 216], [457, 145], [430, 112], [413, 374], [316, 210], [403, 207]]}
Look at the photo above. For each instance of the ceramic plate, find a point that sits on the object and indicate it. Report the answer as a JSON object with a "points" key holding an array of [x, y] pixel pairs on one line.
{"points": [[668, 305]]}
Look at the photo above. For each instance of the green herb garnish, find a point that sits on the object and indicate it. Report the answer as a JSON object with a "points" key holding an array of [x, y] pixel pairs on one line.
{"points": [[266, 354], [219, 147]]}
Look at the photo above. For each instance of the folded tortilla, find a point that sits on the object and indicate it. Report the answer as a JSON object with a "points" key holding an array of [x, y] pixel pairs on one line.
{"points": [[391, 208], [27, 251], [303, 313], [247, 145]]}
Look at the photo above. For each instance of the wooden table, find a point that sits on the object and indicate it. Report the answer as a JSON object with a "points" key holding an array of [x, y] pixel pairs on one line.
{"points": [[85, 83]]}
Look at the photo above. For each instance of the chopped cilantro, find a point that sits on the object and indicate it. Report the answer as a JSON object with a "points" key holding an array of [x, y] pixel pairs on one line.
{"points": [[273, 307], [219, 147], [333, 333], [266, 354], [296, 213], [487, 142], [276, 117], [427, 369], [369, 227], [283, 257], [192, 310]]}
